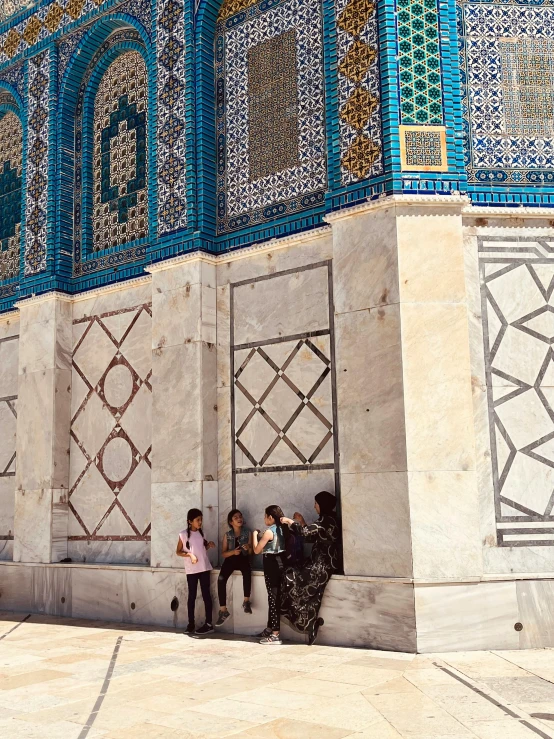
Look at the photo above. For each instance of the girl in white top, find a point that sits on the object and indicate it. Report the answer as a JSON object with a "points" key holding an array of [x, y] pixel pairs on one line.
{"points": [[194, 548]]}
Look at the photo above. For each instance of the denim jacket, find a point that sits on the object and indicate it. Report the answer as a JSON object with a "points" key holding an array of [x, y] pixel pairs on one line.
{"points": [[242, 539]]}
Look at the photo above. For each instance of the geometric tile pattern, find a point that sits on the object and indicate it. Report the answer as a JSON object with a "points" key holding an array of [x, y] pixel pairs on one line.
{"points": [[241, 200], [283, 404], [507, 61], [11, 7], [38, 72], [519, 359], [120, 212], [359, 90], [109, 496], [171, 154], [423, 148], [419, 62], [11, 161]]}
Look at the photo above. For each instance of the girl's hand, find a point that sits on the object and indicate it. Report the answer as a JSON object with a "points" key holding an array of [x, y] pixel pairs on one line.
{"points": [[286, 520], [193, 558], [238, 550], [211, 545], [300, 518]]}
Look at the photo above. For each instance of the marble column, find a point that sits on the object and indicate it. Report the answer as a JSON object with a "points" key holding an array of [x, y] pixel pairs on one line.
{"points": [[184, 418], [408, 479], [43, 422]]}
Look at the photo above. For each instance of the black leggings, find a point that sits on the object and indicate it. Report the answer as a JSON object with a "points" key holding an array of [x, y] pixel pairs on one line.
{"points": [[236, 562], [192, 582], [273, 573]]}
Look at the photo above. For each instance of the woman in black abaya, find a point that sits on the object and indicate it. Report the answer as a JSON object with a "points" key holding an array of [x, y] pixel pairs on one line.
{"points": [[303, 587]]}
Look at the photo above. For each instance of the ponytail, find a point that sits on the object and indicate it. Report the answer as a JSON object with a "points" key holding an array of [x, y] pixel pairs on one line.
{"points": [[277, 514]]}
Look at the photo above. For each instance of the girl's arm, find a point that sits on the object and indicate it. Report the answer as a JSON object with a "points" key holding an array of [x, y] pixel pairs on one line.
{"points": [[260, 544], [179, 551], [226, 551]]}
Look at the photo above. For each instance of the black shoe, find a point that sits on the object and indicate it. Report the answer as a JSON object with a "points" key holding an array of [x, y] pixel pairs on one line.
{"points": [[247, 606], [190, 628], [264, 633], [312, 634], [223, 616], [203, 630]]}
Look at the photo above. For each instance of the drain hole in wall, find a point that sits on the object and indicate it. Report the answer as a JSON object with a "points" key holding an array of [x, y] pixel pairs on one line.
{"points": [[133, 606], [174, 604], [63, 599], [518, 626]]}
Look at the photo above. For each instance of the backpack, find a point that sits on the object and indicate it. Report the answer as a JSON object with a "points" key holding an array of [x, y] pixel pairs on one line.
{"points": [[294, 550]]}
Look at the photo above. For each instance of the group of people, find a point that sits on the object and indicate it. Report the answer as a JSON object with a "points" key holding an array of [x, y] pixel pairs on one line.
{"points": [[295, 586]]}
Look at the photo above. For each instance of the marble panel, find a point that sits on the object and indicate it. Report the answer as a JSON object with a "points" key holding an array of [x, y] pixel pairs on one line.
{"points": [[183, 275], [170, 503], [223, 336], [370, 390], [444, 512], [313, 247], [208, 397], [367, 614], [9, 325], [365, 263], [124, 296], [430, 256], [466, 617], [284, 305], [176, 413], [437, 387], [60, 511], [110, 552], [147, 596], [7, 502], [98, 593], [177, 316], [224, 446], [51, 590], [61, 419], [210, 509], [9, 358], [507, 560], [375, 515], [8, 429], [32, 525], [15, 587], [38, 342], [535, 599]]}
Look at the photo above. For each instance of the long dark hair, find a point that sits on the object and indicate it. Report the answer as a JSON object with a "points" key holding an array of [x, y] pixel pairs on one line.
{"points": [[276, 513], [191, 515], [231, 514]]}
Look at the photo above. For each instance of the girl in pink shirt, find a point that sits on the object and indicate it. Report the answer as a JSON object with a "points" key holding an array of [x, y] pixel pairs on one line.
{"points": [[194, 548]]}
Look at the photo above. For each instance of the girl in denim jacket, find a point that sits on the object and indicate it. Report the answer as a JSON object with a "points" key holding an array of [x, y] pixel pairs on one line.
{"points": [[236, 550]]}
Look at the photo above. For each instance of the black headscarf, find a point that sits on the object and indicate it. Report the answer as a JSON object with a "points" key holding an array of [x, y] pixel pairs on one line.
{"points": [[326, 502]]}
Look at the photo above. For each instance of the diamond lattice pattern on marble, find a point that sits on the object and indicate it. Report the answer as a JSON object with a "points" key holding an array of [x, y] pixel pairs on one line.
{"points": [[517, 286], [120, 153], [109, 497], [11, 160], [283, 404]]}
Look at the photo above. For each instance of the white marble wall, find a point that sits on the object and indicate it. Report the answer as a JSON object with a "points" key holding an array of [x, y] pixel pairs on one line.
{"points": [[44, 387], [184, 430], [263, 299], [9, 357], [111, 427]]}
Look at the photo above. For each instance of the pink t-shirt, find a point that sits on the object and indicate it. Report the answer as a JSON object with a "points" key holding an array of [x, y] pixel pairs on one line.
{"points": [[197, 547]]}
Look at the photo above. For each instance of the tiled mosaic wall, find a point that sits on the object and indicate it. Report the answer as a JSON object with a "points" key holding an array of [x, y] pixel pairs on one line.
{"points": [[111, 396], [359, 90], [507, 56], [11, 170], [270, 111], [38, 139], [119, 170]]}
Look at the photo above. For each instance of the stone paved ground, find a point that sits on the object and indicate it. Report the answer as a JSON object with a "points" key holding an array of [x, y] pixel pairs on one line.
{"points": [[70, 679]]}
